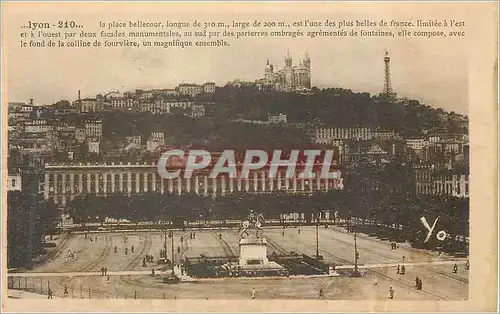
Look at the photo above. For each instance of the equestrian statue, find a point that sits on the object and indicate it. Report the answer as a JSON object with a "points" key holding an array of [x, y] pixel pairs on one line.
{"points": [[253, 222]]}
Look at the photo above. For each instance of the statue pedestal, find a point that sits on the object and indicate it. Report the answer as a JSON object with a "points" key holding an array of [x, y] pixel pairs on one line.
{"points": [[253, 251]]}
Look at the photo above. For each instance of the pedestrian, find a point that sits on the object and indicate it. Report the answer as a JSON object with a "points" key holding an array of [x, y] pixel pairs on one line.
{"points": [[153, 272], [403, 258], [144, 262], [416, 282], [253, 293], [419, 284], [398, 269], [391, 293], [132, 249], [105, 270], [403, 270], [455, 268], [299, 230], [467, 265], [49, 294], [102, 270], [283, 233], [321, 293], [126, 251], [116, 249], [66, 290]]}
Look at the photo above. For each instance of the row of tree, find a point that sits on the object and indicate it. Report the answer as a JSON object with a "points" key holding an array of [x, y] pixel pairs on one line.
{"points": [[29, 218], [402, 209]]}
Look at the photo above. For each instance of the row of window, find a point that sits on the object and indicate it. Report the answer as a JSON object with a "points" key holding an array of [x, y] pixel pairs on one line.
{"points": [[170, 185], [444, 188]]}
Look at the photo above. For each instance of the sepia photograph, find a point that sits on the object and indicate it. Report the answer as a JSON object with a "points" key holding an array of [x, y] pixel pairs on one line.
{"points": [[164, 154]]}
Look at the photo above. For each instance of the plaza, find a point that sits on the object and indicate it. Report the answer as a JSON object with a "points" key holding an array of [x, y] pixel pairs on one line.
{"points": [[128, 278]]}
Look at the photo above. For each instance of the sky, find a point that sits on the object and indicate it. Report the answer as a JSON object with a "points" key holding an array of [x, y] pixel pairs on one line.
{"points": [[433, 71]]}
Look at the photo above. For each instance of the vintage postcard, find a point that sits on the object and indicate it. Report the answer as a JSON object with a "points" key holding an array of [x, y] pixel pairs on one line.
{"points": [[249, 156]]}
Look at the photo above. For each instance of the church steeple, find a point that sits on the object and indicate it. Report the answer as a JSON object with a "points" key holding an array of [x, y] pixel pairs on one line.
{"points": [[307, 61], [269, 67], [288, 59]]}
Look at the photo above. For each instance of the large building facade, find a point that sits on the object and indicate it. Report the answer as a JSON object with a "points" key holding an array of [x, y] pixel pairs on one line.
{"points": [[291, 77], [429, 181], [63, 182], [329, 135]]}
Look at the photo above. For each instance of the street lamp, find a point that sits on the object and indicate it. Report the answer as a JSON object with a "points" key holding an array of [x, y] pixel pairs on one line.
{"points": [[356, 272], [172, 235], [317, 235], [165, 241]]}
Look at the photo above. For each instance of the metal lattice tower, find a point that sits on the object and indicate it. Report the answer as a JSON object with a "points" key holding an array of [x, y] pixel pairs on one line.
{"points": [[387, 82]]}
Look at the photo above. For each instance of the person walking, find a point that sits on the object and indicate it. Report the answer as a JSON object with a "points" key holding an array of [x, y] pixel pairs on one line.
{"points": [[253, 293], [49, 294], [321, 293], [391, 293], [455, 268], [416, 282], [467, 265], [398, 269]]}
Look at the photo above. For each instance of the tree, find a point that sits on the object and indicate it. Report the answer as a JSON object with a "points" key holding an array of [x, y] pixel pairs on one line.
{"points": [[80, 209], [49, 215]]}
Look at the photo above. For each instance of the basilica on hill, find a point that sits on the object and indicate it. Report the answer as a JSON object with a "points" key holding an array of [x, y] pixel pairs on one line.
{"points": [[290, 78]]}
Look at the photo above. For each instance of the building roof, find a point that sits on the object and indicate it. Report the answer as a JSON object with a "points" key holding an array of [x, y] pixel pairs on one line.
{"points": [[376, 150]]}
